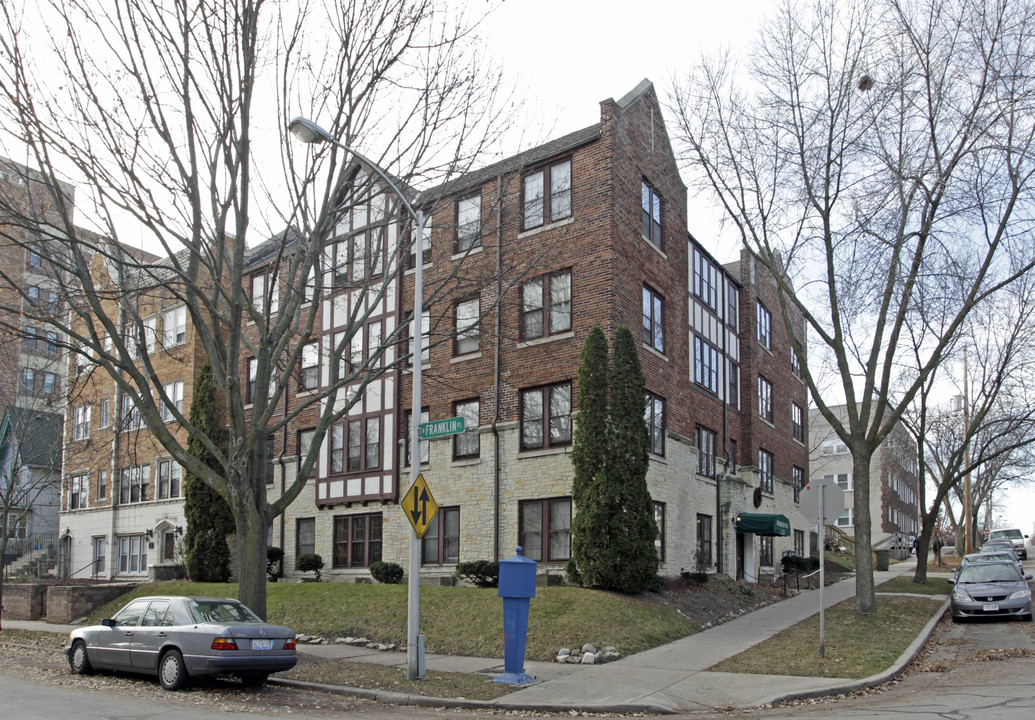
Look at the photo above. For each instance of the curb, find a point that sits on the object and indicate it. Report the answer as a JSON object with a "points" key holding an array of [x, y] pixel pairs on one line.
{"points": [[903, 661], [397, 698]]}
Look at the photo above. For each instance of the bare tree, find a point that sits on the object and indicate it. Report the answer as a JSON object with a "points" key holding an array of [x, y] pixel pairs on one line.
{"points": [[174, 116], [880, 151]]}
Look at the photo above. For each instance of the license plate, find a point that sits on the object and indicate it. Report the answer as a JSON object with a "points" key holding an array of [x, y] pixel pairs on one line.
{"points": [[990, 607], [262, 644]]}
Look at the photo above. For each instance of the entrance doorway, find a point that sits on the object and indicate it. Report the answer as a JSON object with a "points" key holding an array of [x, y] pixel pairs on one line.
{"points": [[740, 556]]}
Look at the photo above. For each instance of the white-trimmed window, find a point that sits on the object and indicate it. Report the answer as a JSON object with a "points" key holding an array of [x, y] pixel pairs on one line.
{"points": [[309, 367], [130, 414], [425, 339], [174, 326], [105, 412], [132, 554], [467, 444], [102, 484], [467, 330], [261, 285], [468, 223], [845, 519], [100, 555], [150, 330], [706, 365], [705, 452], [653, 319], [81, 422], [425, 244], [174, 391], [797, 422]]}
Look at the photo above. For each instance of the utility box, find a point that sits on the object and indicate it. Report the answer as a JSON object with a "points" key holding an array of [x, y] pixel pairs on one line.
{"points": [[516, 587]]}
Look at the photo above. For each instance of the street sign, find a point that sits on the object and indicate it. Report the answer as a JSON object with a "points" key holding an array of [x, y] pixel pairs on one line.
{"points": [[438, 428], [420, 507], [833, 500]]}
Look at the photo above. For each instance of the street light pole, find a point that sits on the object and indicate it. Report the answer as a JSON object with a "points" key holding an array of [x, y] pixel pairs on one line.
{"points": [[309, 132]]}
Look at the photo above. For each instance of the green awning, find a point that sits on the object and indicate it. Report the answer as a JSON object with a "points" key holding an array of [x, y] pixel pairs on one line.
{"points": [[763, 524]]}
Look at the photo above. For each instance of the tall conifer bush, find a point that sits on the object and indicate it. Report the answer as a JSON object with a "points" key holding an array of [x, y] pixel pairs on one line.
{"points": [[209, 519], [613, 530]]}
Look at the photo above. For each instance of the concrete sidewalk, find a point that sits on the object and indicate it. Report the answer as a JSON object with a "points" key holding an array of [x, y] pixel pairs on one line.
{"points": [[667, 679]]}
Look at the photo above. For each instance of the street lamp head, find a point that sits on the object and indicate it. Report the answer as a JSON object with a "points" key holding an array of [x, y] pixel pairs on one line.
{"points": [[308, 132]]}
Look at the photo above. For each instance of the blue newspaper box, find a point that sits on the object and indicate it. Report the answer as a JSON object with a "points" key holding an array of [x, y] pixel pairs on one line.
{"points": [[517, 587]]}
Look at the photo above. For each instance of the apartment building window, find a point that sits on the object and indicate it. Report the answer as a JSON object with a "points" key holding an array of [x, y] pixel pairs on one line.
{"points": [[547, 195], [653, 319], [174, 326], [375, 337], [372, 443], [796, 365], [100, 555], [546, 417], [425, 447], [266, 287], [468, 223], [544, 529], [425, 244], [169, 474], [35, 254], [81, 422], [78, 489], [659, 522], [441, 542], [797, 422], [173, 391], [845, 519], [309, 367], [843, 480], [705, 452], [765, 470], [799, 543], [704, 541], [149, 327], [130, 414], [337, 448], [706, 280], [52, 343], [33, 296], [29, 381], [132, 554], [467, 330], [425, 338], [357, 540], [49, 383], [732, 306], [765, 551], [765, 399], [305, 536], [105, 412], [134, 483], [253, 371], [765, 326], [305, 443], [655, 417], [546, 306], [102, 484], [706, 365], [833, 447], [467, 444], [271, 451], [650, 202], [797, 481]]}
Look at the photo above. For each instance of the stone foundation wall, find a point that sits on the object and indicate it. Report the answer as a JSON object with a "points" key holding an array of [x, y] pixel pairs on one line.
{"points": [[68, 603], [25, 601]]}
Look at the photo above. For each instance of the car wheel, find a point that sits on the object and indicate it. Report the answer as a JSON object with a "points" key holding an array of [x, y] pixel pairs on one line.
{"points": [[78, 659], [254, 680], [171, 671]]}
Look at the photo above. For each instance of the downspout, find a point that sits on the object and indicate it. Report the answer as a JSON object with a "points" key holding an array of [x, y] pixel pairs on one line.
{"points": [[496, 372]]}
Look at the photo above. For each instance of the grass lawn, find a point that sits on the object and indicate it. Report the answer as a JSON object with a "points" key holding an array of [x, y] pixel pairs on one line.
{"points": [[454, 620], [857, 646], [905, 584]]}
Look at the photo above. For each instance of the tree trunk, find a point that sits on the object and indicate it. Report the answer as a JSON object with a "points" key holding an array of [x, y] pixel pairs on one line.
{"points": [[251, 558], [865, 597]]}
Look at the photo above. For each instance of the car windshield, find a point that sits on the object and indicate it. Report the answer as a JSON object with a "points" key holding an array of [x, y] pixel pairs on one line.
{"points": [[988, 572], [221, 611], [1005, 534]]}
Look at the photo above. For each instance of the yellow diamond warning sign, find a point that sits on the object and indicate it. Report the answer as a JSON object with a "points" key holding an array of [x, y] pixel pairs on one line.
{"points": [[419, 506]]}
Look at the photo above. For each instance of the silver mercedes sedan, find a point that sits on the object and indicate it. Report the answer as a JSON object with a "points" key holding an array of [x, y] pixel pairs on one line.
{"points": [[178, 638]]}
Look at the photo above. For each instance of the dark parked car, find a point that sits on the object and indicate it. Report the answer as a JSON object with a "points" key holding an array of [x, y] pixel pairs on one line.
{"points": [[178, 638], [990, 589]]}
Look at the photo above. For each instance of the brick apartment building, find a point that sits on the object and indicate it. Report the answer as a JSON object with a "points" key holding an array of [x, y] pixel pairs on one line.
{"points": [[520, 260], [894, 481], [586, 230], [32, 363]]}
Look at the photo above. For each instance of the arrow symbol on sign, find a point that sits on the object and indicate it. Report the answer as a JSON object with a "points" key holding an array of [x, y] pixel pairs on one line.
{"points": [[420, 505]]}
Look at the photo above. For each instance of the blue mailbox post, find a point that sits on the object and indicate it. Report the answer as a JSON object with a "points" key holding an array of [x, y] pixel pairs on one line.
{"points": [[517, 586]]}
